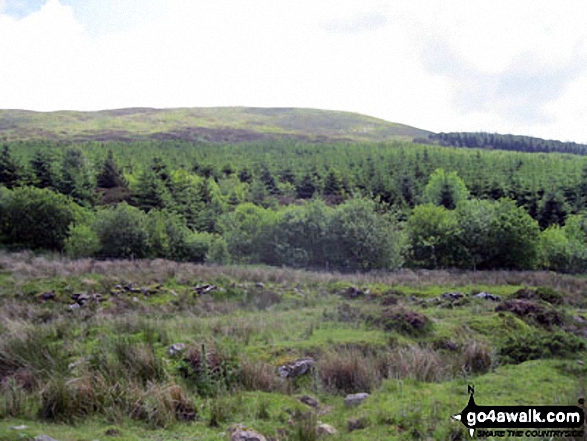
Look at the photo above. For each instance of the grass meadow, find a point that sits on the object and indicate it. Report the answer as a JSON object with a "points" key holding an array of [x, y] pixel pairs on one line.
{"points": [[103, 369]]}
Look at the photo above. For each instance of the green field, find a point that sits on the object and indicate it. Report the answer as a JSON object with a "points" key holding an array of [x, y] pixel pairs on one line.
{"points": [[103, 371]]}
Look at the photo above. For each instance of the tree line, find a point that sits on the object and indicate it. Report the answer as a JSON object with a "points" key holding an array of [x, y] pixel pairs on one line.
{"points": [[518, 143], [330, 207]]}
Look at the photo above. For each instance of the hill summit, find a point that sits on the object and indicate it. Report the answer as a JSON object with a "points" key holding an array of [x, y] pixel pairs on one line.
{"points": [[209, 124]]}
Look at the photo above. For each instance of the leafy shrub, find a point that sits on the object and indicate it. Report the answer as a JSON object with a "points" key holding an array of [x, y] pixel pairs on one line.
{"points": [[82, 242], [535, 346], [123, 232], [37, 218]]}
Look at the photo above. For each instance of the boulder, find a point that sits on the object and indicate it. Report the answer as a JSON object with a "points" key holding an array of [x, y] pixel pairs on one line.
{"points": [[176, 348], [43, 437], [246, 435], [355, 399], [353, 292], [204, 289], [50, 295], [357, 424], [325, 429], [309, 401], [488, 296], [452, 295], [296, 368]]}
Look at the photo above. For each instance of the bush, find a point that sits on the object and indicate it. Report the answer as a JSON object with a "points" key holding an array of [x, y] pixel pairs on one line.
{"points": [[123, 232], [82, 242], [535, 346], [37, 218]]}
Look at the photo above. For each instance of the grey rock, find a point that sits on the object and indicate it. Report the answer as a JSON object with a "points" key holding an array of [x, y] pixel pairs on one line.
{"points": [[355, 399], [246, 435], [357, 424], [176, 348], [325, 429], [452, 295], [309, 401], [74, 306], [43, 437], [204, 289], [488, 296], [48, 295], [296, 368], [21, 427]]}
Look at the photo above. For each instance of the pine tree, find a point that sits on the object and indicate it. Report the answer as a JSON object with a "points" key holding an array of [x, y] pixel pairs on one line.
{"points": [[77, 179], [111, 176], [269, 181], [44, 169], [332, 184], [9, 169], [152, 192], [306, 188], [552, 211]]}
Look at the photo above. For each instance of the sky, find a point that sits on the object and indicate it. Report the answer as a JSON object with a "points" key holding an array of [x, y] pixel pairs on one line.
{"points": [[443, 65]]}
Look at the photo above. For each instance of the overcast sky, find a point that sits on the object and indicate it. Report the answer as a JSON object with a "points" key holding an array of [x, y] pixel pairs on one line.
{"points": [[500, 66]]}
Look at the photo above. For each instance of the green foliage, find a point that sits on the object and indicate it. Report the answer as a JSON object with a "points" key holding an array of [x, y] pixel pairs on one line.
{"points": [[77, 177], [10, 174], [37, 218], [433, 235], [123, 232], [536, 345], [111, 176], [362, 239], [45, 170], [82, 241], [515, 236], [445, 189]]}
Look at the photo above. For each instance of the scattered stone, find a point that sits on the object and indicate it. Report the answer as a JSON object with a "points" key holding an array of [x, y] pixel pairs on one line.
{"points": [[135, 299], [310, 401], [173, 293], [112, 432], [353, 292], [21, 427], [452, 295], [50, 295], [176, 348], [74, 306], [246, 435], [296, 368], [488, 296], [145, 291], [260, 285], [204, 289], [357, 424], [355, 399], [325, 429], [43, 437], [118, 287], [580, 319]]}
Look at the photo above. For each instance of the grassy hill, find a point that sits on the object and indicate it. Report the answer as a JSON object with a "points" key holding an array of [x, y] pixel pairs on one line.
{"points": [[213, 124]]}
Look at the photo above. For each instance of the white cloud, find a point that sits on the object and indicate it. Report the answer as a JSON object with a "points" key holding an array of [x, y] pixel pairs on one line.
{"points": [[453, 65]]}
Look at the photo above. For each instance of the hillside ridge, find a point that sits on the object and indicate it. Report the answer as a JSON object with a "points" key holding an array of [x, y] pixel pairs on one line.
{"points": [[200, 124]]}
